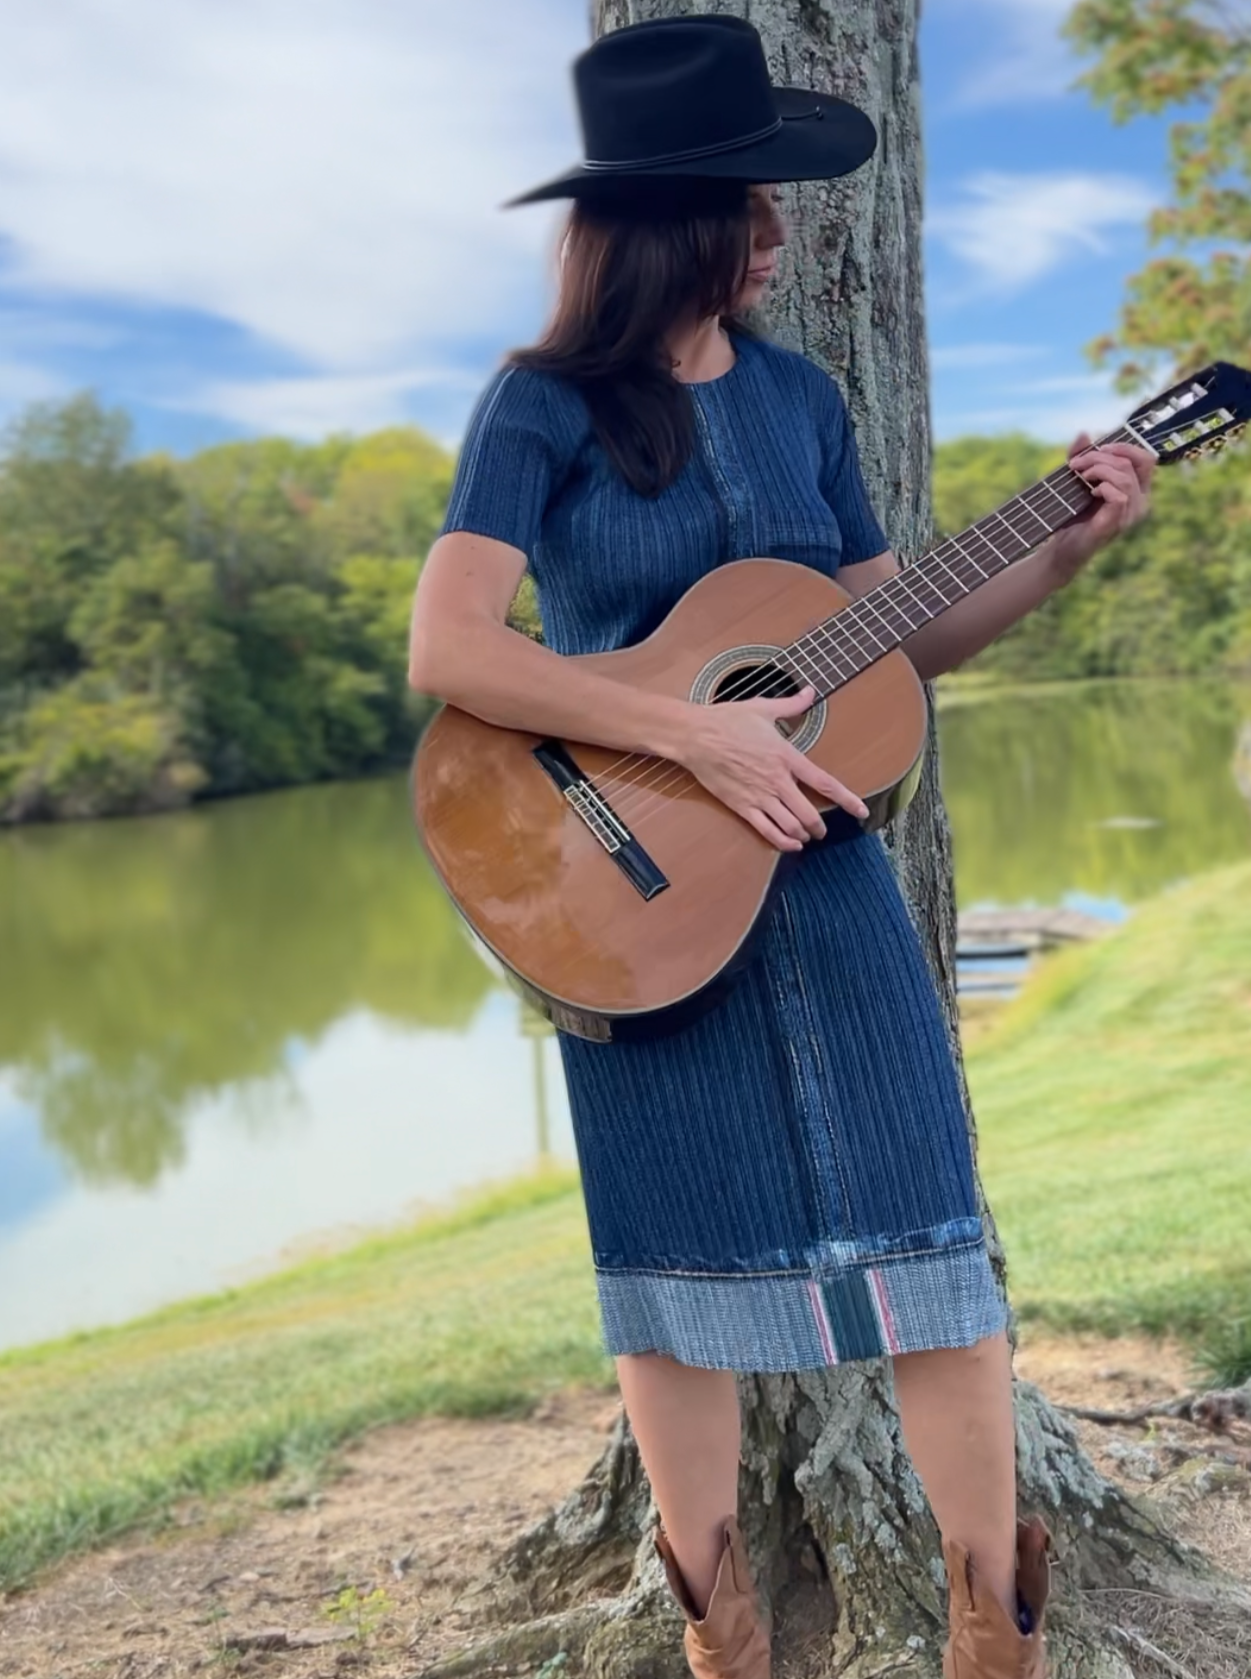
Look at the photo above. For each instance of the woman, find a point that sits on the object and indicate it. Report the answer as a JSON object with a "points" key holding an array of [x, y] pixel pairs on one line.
{"points": [[787, 1183]]}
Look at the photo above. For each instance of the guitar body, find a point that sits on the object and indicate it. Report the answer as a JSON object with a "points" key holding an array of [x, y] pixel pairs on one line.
{"points": [[641, 939], [619, 894]]}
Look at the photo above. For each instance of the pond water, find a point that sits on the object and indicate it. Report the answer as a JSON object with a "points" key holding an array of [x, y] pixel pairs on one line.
{"points": [[239, 1033]]}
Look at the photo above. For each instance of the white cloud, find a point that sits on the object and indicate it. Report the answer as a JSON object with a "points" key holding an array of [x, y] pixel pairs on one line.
{"points": [[324, 174], [311, 407], [1024, 59], [1055, 409], [963, 356], [23, 382], [26, 330], [1011, 229]]}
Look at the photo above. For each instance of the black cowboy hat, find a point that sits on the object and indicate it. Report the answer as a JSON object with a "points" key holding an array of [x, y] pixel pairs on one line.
{"points": [[690, 97]]}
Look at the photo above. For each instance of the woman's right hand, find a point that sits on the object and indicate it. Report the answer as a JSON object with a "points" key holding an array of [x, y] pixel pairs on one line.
{"points": [[738, 753]]}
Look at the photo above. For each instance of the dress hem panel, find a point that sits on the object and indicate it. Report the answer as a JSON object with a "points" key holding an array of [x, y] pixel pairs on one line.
{"points": [[803, 1320]]}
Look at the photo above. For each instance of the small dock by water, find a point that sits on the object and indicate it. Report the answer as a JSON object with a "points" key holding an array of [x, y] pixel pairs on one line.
{"points": [[995, 948]]}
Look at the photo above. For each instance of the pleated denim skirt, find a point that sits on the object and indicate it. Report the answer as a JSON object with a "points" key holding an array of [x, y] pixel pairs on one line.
{"points": [[788, 1184]]}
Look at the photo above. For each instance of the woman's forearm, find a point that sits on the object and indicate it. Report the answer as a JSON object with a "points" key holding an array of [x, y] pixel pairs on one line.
{"points": [[983, 616], [505, 678]]}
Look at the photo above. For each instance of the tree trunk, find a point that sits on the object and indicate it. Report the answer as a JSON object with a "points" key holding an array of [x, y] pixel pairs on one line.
{"points": [[846, 1552]]}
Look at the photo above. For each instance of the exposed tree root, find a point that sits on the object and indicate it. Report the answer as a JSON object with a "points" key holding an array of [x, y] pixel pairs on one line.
{"points": [[531, 1643], [848, 1559]]}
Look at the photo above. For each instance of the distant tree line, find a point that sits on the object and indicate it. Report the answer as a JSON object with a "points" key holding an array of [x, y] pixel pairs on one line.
{"points": [[238, 619], [1173, 597], [231, 621]]}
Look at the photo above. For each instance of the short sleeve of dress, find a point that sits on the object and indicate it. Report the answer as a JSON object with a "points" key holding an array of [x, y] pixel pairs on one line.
{"points": [[507, 463], [842, 483]]}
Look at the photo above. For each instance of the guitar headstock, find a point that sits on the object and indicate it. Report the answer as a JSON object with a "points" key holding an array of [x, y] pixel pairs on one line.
{"points": [[1198, 415]]}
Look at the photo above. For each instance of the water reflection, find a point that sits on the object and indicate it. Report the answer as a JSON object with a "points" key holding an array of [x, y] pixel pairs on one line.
{"points": [[150, 964], [232, 1030], [1107, 790]]}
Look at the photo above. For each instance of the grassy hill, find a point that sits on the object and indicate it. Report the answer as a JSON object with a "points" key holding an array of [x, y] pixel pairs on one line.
{"points": [[1114, 1101], [1114, 1105]]}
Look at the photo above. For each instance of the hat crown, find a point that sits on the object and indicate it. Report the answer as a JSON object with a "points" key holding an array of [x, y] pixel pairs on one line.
{"points": [[672, 88]]}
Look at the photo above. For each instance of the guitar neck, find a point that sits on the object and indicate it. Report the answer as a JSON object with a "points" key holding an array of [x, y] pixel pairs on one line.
{"points": [[839, 648]]}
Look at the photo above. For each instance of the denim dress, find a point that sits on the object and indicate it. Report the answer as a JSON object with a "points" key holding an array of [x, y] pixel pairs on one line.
{"points": [[787, 1183]]}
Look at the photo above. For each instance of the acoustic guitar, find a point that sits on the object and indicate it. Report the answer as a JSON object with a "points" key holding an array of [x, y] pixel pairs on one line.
{"points": [[619, 894]]}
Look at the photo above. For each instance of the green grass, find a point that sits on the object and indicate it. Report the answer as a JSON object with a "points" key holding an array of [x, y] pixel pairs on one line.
{"points": [[1114, 1101], [478, 1311], [1114, 1105]]}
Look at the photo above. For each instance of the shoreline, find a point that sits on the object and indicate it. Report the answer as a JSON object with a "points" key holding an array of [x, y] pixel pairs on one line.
{"points": [[1122, 1200]]}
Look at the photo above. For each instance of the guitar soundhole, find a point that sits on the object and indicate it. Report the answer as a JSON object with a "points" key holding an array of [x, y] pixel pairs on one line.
{"points": [[751, 682], [743, 672]]}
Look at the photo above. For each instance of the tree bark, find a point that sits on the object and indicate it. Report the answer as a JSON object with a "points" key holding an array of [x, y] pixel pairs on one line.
{"points": [[846, 1552]]}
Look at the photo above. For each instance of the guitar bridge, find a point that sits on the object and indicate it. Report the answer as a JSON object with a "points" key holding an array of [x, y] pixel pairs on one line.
{"points": [[585, 798]]}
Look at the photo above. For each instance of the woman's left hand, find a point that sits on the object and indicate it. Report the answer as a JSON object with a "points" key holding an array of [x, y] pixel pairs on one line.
{"points": [[1119, 474]]}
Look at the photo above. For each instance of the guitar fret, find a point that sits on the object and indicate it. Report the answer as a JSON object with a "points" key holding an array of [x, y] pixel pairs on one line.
{"points": [[919, 573], [835, 644], [842, 632], [1034, 514], [1064, 504], [986, 538], [887, 597], [1068, 506], [849, 653], [905, 578], [897, 586], [870, 604], [955, 576], [833, 652], [823, 666], [1012, 513], [857, 624], [796, 650]]}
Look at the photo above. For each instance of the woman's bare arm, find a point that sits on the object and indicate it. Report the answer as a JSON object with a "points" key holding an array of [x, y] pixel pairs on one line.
{"points": [[462, 650], [974, 622], [1119, 476]]}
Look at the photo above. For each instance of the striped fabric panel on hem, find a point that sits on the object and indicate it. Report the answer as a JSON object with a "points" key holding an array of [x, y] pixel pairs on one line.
{"points": [[803, 1321]]}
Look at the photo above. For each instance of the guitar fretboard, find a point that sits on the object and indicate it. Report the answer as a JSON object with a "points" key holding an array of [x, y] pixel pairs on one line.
{"points": [[841, 647]]}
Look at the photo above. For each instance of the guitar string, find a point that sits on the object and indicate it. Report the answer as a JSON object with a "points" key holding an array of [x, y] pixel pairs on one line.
{"points": [[610, 776], [904, 578], [657, 787], [845, 646], [664, 775], [655, 775], [849, 621]]}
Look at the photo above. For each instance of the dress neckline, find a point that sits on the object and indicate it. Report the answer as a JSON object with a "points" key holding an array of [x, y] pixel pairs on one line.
{"points": [[737, 341]]}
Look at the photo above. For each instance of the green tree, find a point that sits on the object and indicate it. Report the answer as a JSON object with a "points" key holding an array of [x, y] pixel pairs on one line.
{"points": [[249, 510], [1171, 597], [1153, 56], [232, 621], [86, 749], [388, 496], [71, 504]]}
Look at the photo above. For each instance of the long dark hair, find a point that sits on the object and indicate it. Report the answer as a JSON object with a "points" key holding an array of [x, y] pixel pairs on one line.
{"points": [[634, 262]]}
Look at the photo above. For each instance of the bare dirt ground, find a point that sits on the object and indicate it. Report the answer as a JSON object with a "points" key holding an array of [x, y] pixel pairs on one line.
{"points": [[370, 1572]]}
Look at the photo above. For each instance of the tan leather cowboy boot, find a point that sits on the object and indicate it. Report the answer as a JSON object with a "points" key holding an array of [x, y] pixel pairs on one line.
{"points": [[730, 1642], [985, 1642]]}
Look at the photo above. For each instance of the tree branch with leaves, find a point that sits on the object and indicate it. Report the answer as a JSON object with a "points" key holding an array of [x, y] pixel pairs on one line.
{"points": [[1192, 304]]}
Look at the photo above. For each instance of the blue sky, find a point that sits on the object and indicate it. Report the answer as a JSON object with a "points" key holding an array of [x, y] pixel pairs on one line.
{"points": [[279, 215]]}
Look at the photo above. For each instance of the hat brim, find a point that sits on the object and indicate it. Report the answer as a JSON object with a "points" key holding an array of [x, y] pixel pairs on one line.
{"points": [[821, 136]]}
